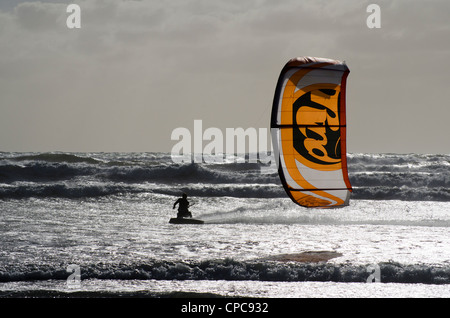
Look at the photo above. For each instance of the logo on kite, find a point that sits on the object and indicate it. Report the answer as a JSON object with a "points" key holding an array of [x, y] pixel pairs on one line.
{"points": [[317, 118]]}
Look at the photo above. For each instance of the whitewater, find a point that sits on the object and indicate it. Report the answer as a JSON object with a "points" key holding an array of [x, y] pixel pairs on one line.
{"points": [[107, 214]]}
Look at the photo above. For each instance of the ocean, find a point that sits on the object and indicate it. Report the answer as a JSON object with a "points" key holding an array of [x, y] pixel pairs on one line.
{"points": [[96, 225]]}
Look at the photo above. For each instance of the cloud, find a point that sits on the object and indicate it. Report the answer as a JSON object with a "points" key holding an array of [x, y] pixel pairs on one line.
{"points": [[138, 69], [37, 16]]}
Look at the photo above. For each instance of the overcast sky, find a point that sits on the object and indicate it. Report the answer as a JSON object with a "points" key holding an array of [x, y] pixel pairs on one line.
{"points": [[136, 70]]}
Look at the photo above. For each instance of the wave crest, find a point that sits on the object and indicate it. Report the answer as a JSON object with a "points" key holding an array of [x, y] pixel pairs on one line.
{"points": [[229, 269], [373, 176]]}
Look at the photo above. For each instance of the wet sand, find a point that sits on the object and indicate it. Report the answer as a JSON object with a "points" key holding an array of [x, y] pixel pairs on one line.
{"points": [[305, 257]]}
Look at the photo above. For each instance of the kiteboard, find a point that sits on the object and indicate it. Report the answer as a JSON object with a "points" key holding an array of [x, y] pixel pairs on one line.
{"points": [[185, 221]]}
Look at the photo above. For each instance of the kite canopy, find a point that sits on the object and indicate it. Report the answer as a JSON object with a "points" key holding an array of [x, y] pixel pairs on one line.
{"points": [[308, 131]]}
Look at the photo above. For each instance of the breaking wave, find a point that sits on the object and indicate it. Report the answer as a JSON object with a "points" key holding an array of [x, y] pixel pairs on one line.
{"points": [[76, 175], [229, 269]]}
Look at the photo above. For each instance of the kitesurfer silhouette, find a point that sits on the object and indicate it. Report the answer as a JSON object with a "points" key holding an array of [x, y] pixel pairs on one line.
{"points": [[183, 206]]}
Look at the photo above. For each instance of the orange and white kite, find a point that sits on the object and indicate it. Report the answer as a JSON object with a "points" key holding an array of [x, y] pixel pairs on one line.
{"points": [[309, 131]]}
